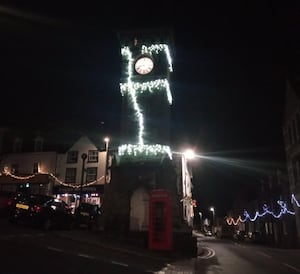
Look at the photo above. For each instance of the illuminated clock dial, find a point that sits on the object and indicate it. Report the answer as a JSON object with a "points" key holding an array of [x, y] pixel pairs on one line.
{"points": [[143, 65]]}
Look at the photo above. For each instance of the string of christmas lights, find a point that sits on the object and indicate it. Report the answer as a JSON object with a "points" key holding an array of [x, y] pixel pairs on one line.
{"points": [[265, 210], [133, 90], [6, 172]]}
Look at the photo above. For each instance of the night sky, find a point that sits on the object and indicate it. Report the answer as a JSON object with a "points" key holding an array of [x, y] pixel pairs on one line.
{"points": [[60, 67]]}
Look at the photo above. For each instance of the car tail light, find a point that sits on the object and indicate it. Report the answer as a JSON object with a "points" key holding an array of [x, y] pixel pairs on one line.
{"points": [[37, 208]]}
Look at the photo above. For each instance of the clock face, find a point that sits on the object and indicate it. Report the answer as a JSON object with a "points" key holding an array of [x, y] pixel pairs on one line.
{"points": [[144, 65]]}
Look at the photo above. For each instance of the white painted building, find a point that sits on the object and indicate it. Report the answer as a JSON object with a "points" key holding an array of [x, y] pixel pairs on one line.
{"points": [[75, 175]]}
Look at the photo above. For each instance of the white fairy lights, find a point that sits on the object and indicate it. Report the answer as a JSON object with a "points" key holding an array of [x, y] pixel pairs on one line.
{"points": [[134, 89], [147, 150]]}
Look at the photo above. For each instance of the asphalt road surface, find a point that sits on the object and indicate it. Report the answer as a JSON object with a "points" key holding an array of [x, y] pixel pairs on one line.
{"points": [[26, 250]]}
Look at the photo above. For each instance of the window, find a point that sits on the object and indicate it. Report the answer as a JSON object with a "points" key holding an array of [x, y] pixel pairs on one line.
{"points": [[91, 174], [71, 175], [35, 167], [93, 156], [72, 157]]}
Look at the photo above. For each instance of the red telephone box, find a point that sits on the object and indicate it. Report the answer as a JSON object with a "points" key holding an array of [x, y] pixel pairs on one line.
{"points": [[160, 220]]}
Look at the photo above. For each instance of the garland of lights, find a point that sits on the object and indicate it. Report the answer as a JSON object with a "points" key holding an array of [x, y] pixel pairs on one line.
{"points": [[283, 210], [150, 86], [133, 89], [156, 49], [6, 172], [138, 150]]}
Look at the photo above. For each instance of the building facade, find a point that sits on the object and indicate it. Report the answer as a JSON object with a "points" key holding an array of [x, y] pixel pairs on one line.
{"points": [[78, 171], [291, 133]]}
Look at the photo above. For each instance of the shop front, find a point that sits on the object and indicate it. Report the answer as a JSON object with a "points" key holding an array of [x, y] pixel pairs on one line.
{"points": [[71, 195]]}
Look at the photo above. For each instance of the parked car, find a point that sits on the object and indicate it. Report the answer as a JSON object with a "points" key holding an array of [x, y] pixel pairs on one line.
{"points": [[42, 211], [88, 215], [6, 199]]}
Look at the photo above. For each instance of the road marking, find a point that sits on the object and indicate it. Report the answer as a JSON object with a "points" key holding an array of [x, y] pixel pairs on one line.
{"points": [[264, 254], [207, 254], [292, 267], [118, 263], [86, 256], [54, 249]]}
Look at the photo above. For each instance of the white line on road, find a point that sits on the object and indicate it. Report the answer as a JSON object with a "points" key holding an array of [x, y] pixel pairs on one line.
{"points": [[263, 254], [207, 254], [292, 267], [118, 263], [54, 249], [86, 256]]}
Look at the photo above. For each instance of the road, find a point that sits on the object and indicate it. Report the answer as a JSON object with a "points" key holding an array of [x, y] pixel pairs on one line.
{"points": [[26, 250], [229, 257]]}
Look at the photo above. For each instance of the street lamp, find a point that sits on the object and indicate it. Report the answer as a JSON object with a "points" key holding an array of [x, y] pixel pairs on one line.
{"points": [[212, 209], [187, 186], [200, 216], [83, 157]]}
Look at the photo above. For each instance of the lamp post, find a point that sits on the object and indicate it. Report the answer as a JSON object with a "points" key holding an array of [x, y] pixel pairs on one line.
{"points": [[200, 217], [83, 157], [212, 209], [106, 140], [187, 186]]}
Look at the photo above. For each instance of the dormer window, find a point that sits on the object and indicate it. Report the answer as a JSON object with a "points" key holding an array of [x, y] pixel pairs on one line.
{"points": [[38, 144], [17, 145]]}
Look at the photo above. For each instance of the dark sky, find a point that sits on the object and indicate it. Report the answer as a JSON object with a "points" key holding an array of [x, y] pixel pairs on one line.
{"points": [[60, 66]]}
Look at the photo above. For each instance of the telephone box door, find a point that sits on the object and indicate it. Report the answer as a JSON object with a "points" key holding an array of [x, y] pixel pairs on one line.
{"points": [[160, 220]]}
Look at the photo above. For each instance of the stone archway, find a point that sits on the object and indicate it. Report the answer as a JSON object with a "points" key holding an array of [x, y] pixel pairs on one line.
{"points": [[139, 210]]}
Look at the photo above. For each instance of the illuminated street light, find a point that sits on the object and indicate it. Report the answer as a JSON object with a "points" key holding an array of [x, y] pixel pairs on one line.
{"points": [[212, 209], [189, 154]]}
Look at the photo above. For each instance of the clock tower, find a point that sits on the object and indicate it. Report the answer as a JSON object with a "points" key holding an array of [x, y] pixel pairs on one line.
{"points": [[143, 164], [146, 94]]}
